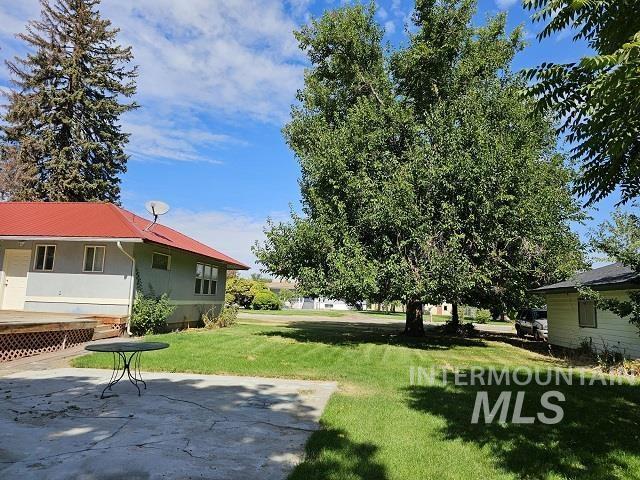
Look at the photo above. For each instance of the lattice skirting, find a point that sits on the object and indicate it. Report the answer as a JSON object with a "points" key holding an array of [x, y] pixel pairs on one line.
{"points": [[18, 345]]}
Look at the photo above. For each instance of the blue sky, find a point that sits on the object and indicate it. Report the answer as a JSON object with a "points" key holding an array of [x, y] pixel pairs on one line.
{"points": [[217, 78]]}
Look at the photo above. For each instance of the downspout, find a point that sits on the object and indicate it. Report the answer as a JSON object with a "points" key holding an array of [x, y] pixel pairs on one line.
{"points": [[131, 287]]}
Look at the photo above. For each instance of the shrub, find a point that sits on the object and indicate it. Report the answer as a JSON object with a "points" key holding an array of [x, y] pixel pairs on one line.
{"points": [[483, 316], [460, 329], [150, 313], [266, 300], [242, 291], [227, 317]]}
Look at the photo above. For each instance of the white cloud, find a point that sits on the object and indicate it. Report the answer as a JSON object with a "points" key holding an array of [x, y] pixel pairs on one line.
{"points": [[238, 57], [396, 7], [225, 59], [505, 4], [173, 138], [232, 233], [389, 27]]}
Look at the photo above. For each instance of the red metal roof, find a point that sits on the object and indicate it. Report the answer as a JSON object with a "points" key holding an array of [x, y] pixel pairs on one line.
{"points": [[95, 220]]}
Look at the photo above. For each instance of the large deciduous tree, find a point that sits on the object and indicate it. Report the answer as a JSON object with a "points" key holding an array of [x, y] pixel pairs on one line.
{"points": [[596, 99], [61, 129], [426, 174]]}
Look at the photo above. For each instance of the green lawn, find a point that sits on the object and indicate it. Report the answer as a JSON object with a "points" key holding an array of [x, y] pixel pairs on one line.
{"points": [[434, 318], [296, 312], [378, 426]]}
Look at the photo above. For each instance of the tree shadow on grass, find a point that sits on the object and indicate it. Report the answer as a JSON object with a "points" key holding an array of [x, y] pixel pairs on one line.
{"points": [[330, 453], [353, 334], [597, 438], [526, 343]]}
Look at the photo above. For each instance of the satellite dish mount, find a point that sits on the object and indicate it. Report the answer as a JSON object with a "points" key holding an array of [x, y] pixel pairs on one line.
{"points": [[155, 208]]}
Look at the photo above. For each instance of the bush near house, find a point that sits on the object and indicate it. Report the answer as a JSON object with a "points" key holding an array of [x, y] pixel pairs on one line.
{"points": [[266, 300], [227, 317], [150, 313]]}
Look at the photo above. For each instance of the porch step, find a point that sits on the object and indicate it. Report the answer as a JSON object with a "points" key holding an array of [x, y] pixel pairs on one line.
{"points": [[105, 331]]}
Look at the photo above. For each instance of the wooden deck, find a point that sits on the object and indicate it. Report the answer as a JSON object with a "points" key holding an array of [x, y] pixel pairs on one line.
{"points": [[12, 321], [30, 333]]}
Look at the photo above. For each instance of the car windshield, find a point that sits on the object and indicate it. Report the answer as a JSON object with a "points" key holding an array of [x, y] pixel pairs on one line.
{"points": [[539, 314]]}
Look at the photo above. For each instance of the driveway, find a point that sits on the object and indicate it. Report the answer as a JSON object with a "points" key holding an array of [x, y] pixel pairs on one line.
{"points": [[54, 425]]}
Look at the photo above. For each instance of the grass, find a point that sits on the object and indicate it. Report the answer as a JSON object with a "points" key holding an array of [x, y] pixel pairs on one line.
{"points": [[344, 313], [380, 427], [302, 313], [435, 318]]}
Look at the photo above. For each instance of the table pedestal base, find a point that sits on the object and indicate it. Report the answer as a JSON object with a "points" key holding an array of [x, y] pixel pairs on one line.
{"points": [[120, 361]]}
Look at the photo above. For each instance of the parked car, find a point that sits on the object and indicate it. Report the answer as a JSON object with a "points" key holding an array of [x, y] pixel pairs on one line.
{"points": [[532, 321]]}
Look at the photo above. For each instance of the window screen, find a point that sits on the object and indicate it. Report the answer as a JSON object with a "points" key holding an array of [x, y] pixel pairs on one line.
{"points": [[206, 279], [93, 259], [160, 261], [45, 255], [587, 314]]}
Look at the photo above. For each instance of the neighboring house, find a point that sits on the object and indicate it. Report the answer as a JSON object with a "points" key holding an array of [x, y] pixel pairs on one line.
{"points": [[319, 303], [442, 309], [307, 303], [573, 320], [83, 258]]}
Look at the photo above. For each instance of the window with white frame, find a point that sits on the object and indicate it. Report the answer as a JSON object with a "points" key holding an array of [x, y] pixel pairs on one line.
{"points": [[45, 258], [93, 258], [206, 279], [160, 261], [587, 316]]}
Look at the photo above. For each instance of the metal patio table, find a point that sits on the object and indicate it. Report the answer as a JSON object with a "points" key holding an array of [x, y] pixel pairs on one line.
{"points": [[123, 364]]}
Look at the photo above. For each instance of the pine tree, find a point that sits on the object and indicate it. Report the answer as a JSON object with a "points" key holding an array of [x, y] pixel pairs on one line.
{"points": [[61, 127]]}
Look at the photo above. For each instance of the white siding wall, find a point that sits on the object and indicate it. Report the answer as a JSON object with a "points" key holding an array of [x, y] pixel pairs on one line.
{"points": [[617, 333], [68, 289]]}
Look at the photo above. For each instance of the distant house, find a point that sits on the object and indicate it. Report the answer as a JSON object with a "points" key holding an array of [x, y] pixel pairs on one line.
{"points": [[319, 303], [307, 303], [83, 258], [441, 309], [572, 320]]}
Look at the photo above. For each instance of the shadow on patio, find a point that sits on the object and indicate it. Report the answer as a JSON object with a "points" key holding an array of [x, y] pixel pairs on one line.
{"points": [[53, 424]]}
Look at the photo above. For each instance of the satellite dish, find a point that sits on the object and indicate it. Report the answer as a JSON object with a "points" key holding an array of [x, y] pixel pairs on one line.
{"points": [[155, 208]]}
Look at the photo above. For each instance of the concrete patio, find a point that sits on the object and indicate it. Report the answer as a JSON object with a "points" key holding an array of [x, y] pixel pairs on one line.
{"points": [[53, 425]]}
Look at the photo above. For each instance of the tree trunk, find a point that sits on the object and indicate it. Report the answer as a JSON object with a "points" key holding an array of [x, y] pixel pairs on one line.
{"points": [[414, 325], [455, 318]]}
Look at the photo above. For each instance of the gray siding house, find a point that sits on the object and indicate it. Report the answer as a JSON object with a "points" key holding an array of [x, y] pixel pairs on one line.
{"points": [[84, 258], [572, 320]]}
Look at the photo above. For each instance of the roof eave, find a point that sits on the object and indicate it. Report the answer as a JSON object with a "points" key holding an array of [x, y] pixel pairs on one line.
{"points": [[230, 265], [69, 239], [600, 287]]}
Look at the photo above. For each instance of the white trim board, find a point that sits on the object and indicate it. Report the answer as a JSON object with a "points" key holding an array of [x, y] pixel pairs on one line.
{"points": [[83, 300], [195, 302]]}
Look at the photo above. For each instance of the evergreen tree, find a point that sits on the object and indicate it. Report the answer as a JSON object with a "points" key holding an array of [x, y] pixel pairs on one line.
{"points": [[61, 129]]}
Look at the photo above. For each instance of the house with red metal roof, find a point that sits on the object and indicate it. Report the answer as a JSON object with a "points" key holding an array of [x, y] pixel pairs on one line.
{"points": [[89, 258]]}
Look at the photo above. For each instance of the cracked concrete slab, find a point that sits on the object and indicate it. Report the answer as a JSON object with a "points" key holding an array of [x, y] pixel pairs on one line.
{"points": [[53, 425]]}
